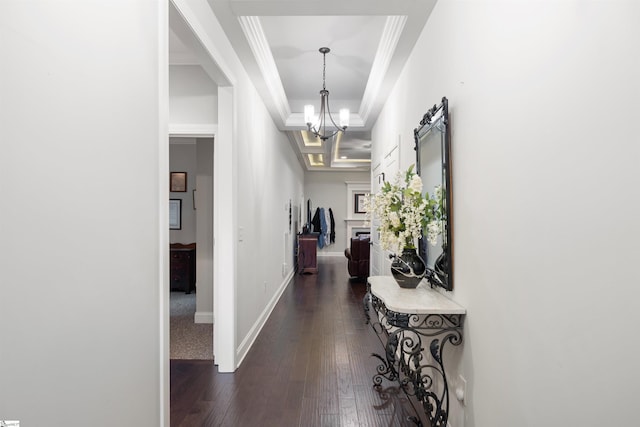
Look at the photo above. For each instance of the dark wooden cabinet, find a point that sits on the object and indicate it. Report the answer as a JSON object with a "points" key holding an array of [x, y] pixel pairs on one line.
{"points": [[307, 253], [183, 267]]}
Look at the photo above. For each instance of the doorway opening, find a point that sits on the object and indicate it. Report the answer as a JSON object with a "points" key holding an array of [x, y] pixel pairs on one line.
{"points": [[191, 249]]}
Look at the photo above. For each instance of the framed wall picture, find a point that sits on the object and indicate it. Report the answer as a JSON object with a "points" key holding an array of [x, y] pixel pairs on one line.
{"points": [[358, 203], [178, 182], [175, 214], [356, 194]]}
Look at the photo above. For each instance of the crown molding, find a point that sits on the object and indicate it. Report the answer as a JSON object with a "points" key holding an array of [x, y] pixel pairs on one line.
{"points": [[388, 42], [262, 53], [296, 121]]}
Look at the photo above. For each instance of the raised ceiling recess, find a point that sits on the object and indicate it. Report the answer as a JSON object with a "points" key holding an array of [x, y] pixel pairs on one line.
{"points": [[278, 41]]}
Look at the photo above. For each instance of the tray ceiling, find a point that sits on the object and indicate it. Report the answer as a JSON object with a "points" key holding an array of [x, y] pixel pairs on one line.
{"points": [[278, 42]]}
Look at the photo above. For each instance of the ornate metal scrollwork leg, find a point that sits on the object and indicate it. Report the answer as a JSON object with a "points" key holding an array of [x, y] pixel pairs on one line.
{"points": [[435, 404], [365, 304], [387, 367], [405, 360]]}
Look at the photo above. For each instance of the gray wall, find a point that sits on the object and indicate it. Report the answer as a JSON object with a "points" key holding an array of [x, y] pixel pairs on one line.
{"points": [[329, 190], [83, 201], [544, 151], [182, 158]]}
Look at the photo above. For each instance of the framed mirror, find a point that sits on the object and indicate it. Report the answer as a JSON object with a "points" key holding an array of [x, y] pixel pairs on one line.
{"points": [[432, 139]]}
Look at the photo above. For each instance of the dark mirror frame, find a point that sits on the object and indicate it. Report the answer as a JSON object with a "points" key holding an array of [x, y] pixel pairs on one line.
{"points": [[442, 273]]}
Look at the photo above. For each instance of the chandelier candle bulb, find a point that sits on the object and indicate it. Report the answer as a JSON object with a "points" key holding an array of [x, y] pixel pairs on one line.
{"points": [[309, 114], [344, 117]]}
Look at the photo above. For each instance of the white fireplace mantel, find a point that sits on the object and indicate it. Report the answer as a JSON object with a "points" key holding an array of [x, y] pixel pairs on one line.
{"points": [[354, 223]]}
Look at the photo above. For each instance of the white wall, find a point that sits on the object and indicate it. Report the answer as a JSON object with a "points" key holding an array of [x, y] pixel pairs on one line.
{"points": [[329, 190], [543, 100], [193, 96], [263, 174], [182, 158], [204, 228], [80, 335], [269, 175]]}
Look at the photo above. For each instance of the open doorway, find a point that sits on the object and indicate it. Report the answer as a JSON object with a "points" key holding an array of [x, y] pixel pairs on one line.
{"points": [[191, 247], [186, 31]]}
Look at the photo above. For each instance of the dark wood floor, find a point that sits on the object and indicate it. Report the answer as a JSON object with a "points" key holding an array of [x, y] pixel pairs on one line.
{"points": [[310, 366]]}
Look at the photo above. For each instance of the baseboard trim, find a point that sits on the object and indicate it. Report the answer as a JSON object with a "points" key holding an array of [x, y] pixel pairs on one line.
{"points": [[322, 254], [248, 341], [203, 317]]}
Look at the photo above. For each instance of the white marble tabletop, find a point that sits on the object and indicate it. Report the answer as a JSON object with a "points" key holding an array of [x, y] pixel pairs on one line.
{"points": [[421, 300]]}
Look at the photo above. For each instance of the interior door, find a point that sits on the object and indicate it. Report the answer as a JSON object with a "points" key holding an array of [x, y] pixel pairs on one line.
{"points": [[384, 171], [376, 184]]}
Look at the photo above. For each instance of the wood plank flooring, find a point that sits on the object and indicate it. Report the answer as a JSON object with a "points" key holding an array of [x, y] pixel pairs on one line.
{"points": [[311, 365]]}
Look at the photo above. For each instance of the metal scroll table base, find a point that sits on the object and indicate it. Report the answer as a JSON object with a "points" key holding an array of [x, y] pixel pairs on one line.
{"points": [[404, 337]]}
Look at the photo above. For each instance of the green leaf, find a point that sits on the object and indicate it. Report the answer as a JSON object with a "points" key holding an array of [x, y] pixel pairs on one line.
{"points": [[408, 175]]}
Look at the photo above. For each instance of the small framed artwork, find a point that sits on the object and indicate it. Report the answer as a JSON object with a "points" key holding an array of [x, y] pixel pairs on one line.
{"points": [[178, 182], [175, 214], [358, 203]]}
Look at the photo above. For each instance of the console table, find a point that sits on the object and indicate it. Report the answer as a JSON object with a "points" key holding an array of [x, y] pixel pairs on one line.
{"points": [[408, 321]]}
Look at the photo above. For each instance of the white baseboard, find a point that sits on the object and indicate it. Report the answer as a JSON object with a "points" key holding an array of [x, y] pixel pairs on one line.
{"points": [[320, 253], [203, 317], [248, 341]]}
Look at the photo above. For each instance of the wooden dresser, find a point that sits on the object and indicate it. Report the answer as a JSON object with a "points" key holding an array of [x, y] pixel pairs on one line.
{"points": [[307, 253], [183, 267]]}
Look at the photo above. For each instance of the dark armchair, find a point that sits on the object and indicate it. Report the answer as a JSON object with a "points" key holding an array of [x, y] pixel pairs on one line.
{"points": [[358, 257]]}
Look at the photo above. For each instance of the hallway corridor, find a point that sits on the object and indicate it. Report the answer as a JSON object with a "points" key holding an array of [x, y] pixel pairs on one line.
{"points": [[310, 366]]}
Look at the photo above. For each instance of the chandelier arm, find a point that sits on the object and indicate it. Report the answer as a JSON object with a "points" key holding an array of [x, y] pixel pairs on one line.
{"points": [[340, 128]]}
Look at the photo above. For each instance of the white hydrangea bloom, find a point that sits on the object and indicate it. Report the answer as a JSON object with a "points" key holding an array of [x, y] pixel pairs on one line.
{"points": [[416, 184], [437, 192], [434, 229], [394, 219], [403, 212]]}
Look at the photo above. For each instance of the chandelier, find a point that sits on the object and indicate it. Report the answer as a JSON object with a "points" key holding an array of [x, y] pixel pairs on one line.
{"points": [[317, 124]]}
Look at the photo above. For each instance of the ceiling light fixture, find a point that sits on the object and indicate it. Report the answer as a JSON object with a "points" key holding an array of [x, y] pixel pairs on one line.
{"points": [[317, 124]]}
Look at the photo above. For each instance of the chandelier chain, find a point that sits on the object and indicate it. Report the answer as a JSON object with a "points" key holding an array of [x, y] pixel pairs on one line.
{"points": [[324, 71]]}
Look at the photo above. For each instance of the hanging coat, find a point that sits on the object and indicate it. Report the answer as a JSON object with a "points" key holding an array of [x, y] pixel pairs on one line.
{"points": [[332, 227], [327, 230], [323, 228], [315, 222]]}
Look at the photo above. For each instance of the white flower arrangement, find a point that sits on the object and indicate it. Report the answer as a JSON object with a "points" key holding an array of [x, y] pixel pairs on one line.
{"points": [[404, 212]]}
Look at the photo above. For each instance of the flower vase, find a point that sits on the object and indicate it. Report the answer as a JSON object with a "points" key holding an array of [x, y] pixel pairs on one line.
{"points": [[441, 265], [408, 269]]}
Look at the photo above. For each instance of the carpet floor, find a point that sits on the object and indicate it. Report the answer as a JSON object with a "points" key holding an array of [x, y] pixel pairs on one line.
{"points": [[189, 340]]}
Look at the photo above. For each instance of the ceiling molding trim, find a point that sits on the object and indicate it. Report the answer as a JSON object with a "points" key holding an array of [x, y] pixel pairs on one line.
{"points": [[335, 154], [294, 144], [319, 7], [298, 139], [388, 42], [260, 47], [338, 168], [191, 28], [296, 121]]}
